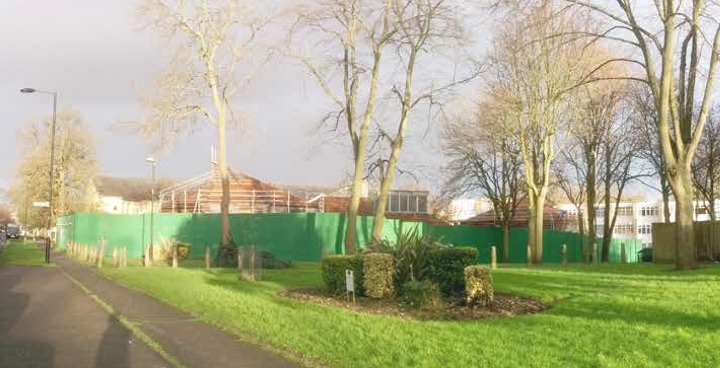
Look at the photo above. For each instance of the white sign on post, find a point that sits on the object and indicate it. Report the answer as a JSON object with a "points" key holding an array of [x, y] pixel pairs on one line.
{"points": [[41, 204], [349, 283]]}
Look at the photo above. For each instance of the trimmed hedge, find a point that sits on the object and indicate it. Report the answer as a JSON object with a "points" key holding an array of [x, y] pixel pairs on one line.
{"points": [[378, 275], [333, 273], [478, 285], [446, 268]]}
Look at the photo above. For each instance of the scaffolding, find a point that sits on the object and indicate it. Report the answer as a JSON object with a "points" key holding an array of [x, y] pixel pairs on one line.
{"points": [[203, 194]]}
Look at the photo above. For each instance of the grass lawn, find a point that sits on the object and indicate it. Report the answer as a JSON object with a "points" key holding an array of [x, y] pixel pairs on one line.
{"points": [[17, 253], [601, 316]]}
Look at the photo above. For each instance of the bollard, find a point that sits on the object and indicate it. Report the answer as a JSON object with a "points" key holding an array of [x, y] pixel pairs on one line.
{"points": [[493, 257], [124, 257], [563, 250], [174, 255], [115, 257], [594, 253], [207, 257], [252, 263], [529, 256], [623, 255]]}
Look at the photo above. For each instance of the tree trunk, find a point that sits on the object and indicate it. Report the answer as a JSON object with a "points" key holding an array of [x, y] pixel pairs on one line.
{"points": [[397, 143], [581, 232], [665, 198], [506, 241], [532, 228], [225, 179], [685, 253], [351, 226], [591, 200], [385, 186], [539, 222]]}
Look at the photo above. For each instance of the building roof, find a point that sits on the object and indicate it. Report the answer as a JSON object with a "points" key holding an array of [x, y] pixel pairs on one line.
{"points": [[554, 218], [130, 189]]}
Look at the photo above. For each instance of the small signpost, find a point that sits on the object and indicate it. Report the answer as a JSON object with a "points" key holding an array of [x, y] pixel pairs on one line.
{"points": [[349, 285]]}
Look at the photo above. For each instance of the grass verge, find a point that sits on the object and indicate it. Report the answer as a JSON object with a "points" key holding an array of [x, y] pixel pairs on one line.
{"points": [[601, 316], [17, 253]]}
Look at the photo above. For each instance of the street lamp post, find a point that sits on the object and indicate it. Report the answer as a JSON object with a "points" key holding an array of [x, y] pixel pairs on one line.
{"points": [[52, 166], [152, 163]]}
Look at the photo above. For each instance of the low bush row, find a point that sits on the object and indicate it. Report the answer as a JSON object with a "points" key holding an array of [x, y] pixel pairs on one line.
{"points": [[419, 271]]}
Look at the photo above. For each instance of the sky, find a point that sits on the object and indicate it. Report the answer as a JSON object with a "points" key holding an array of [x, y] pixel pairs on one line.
{"points": [[98, 59]]}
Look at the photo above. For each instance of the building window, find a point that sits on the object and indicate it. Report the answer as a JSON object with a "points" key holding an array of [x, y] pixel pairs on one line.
{"points": [[408, 202], [623, 229], [645, 229], [625, 211], [649, 211], [701, 210]]}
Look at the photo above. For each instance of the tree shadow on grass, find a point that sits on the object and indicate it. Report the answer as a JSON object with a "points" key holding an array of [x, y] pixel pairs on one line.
{"points": [[636, 314]]}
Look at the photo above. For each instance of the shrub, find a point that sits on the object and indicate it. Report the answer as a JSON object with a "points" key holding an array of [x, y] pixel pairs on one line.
{"points": [[333, 272], [478, 285], [421, 295], [163, 251], [378, 275], [268, 260], [446, 268]]}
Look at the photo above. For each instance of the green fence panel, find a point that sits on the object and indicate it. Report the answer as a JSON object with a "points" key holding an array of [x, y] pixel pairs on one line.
{"points": [[307, 236]]}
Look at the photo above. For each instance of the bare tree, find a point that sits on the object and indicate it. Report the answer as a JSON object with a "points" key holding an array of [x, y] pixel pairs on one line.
{"points": [[353, 29], [485, 163], [646, 127], [533, 72], [681, 76], [424, 27], [213, 39], [570, 172], [619, 167], [706, 167]]}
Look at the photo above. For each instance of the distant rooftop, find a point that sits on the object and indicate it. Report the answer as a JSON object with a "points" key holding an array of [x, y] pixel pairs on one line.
{"points": [[130, 189]]}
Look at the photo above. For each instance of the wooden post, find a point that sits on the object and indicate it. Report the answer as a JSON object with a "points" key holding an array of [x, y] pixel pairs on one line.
{"points": [[623, 255], [101, 254], [146, 257], [593, 255], [493, 257], [207, 257], [124, 257], [252, 263], [529, 256], [240, 261], [563, 250], [288, 202], [174, 255], [115, 257]]}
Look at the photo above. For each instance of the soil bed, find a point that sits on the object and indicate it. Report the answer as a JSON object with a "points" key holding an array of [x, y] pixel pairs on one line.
{"points": [[504, 305]]}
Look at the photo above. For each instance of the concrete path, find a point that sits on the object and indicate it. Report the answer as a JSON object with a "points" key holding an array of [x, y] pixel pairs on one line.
{"points": [[193, 343], [48, 321]]}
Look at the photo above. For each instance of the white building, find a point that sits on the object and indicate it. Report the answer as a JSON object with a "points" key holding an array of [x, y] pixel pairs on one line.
{"points": [[463, 209], [635, 219]]}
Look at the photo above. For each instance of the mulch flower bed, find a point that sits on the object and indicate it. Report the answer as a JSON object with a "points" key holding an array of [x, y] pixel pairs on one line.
{"points": [[504, 305]]}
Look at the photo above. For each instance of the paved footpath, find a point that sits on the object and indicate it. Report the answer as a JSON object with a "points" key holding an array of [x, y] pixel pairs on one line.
{"points": [[66, 324], [48, 321]]}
